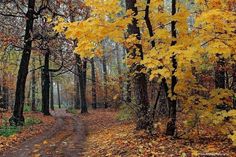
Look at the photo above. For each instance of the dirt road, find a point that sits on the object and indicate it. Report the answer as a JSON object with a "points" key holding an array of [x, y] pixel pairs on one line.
{"points": [[65, 139]]}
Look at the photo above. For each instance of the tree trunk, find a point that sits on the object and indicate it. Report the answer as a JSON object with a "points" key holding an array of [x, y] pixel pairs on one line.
{"points": [[128, 89], [171, 125], [58, 95], [40, 80], [45, 85], [220, 74], [27, 102], [234, 85], [140, 79], [51, 92], [77, 92], [17, 117], [1, 101], [5, 96], [104, 67], [153, 44], [33, 103], [82, 65], [119, 71], [94, 91]]}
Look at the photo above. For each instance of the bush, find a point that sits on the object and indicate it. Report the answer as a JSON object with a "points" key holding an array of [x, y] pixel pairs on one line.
{"points": [[32, 121], [125, 113], [71, 110], [27, 108]]}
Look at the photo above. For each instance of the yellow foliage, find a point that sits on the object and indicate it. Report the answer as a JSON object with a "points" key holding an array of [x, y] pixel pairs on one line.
{"points": [[196, 50], [233, 138]]}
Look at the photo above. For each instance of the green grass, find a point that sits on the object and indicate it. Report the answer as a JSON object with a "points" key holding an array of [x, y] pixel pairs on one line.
{"points": [[71, 110], [7, 131], [28, 108], [29, 121]]}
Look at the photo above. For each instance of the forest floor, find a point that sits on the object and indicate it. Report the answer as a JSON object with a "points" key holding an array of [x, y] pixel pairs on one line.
{"points": [[99, 134], [110, 137]]}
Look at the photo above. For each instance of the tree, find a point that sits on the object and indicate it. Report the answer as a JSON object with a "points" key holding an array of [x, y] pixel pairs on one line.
{"points": [[51, 92], [45, 84], [82, 66], [234, 85], [140, 78], [77, 92], [17, 117], [118, 60], [94, 91], [171, 125], [5, 94], [58, 94], [220, 73], [174, 44], [33, 103], [104, 68]]}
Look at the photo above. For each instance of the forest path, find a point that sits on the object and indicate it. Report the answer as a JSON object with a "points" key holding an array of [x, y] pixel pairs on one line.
{"points": [[65, 139]]}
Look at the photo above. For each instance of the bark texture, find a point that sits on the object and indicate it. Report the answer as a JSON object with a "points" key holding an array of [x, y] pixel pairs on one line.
{"points": [[45, 85], [94, 91], [18, 118], [82, 65]]}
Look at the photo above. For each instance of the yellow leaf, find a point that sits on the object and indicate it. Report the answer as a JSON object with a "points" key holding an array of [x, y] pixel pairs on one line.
{"points": [[45, 142], [195, 153]]}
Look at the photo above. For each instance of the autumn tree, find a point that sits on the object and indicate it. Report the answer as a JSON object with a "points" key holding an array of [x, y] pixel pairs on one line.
{"points": [[164, 45], [18, 118], [171, 126], [140, 77]]}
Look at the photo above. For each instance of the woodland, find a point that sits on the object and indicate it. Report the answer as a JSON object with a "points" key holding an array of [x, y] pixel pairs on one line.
{"points": [[117, 78]]}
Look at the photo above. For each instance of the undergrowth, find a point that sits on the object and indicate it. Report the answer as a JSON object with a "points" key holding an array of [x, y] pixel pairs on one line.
{"points": [[125, 113], [71, 110], [6, 130]]}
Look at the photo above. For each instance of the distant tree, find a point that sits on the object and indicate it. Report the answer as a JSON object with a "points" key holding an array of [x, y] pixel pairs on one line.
{"points": [[104, 67], [94, 91], [33, 103], [51, 92], [58, 94]]}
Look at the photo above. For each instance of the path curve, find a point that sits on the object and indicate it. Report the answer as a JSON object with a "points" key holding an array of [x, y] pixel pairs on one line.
{"points": [[65, 139]]}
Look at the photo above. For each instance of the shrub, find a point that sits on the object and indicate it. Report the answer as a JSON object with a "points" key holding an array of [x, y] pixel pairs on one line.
{"points": [[32, 121], [125, 113], [27, 108], [71, 110]]}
